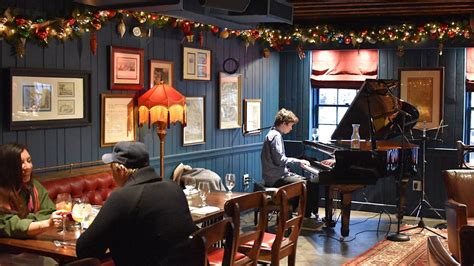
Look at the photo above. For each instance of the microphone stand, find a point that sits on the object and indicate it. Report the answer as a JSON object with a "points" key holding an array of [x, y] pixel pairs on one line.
{"points": [[253, 131]]}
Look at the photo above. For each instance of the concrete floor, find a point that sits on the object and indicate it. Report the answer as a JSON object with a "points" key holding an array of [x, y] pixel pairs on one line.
{"points": [[325, 247]]}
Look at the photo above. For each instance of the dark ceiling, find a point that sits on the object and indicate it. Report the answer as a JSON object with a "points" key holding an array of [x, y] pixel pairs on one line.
{"points": [[371, 11]]}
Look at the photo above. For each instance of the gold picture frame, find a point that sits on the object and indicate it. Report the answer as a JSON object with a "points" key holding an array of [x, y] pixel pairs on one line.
{"points": [[230, 95], [195, 131], [423, 88], [161, 71], [252, 116], [196, 64], [117, 118]]}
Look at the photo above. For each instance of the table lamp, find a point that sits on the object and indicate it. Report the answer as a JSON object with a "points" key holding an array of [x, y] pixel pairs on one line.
{"points": [[161, 105]]}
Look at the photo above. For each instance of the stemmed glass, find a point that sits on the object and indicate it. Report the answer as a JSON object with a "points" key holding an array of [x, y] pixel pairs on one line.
{"points": [[64, 202], [190, 184], [81, 210], [230, 183], [204, 190], [315, 133]]}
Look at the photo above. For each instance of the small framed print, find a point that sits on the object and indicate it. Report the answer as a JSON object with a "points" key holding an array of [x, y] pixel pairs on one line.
{"points": [[65, 89], [161, 72], [230, 91], [195, 132], [252, 116], [126, 68], [117, 119], [196, 64]]}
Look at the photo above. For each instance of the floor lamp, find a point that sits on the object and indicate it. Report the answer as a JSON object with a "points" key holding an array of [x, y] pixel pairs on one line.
{"points": [[161, 106]]}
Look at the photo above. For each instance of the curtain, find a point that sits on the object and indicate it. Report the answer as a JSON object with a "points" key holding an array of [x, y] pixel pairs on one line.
{"points": [[343, 68]]}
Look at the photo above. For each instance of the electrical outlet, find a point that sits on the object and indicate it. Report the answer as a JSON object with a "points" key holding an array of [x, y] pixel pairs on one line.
{"points": [[246, 180], [416, 185]]}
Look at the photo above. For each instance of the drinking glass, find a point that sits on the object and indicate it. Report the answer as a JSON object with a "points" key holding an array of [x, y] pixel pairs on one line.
{"points": [[230, 182], [64, 202], [204, 190], [190, 184], [80, 210], [315, 134]]}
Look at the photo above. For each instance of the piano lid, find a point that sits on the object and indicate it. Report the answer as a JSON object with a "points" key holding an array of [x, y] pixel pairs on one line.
{"points": [[375, 99]]}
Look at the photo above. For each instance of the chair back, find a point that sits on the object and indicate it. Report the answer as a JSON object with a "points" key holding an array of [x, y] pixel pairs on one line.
{"points": [[289, 224], [459, 186], [222, 230], [234, 208], [463, 154]]}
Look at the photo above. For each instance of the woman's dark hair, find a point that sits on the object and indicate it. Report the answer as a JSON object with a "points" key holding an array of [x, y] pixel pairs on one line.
{"points": [[11, 165]]}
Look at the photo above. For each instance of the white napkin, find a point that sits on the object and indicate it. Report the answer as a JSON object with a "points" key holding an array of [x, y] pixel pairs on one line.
{"points": [[204, 210]]}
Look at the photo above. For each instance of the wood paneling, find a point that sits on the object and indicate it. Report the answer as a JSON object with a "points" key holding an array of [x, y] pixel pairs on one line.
{"points": [[224, 151]]}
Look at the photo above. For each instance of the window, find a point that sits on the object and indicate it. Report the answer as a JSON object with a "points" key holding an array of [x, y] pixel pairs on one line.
{"points": [[470, 118], [329, 106]]}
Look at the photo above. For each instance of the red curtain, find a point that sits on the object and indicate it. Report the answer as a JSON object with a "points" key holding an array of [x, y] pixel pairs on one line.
{"points": [[348, 68], [470, 69]]}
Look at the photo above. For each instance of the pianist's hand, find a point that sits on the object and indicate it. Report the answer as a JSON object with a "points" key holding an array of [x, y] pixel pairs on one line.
{"points": [[304, 162], [329, 162]]}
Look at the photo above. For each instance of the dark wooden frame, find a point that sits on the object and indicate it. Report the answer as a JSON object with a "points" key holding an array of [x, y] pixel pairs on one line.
{"points": [[104, 97], [29, 124], [436, 103], [203, 121], [141, 75]]}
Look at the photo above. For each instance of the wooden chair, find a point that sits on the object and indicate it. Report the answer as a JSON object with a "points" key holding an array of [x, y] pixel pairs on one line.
{"points": [[222, 230], [234, 208], [276, 246], [463, 153]]}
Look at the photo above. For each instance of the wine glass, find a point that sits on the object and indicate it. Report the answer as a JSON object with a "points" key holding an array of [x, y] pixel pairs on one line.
{"points": [[190, 184], [315, 133], [64, 202], [204, 190], [81, 210], [230, 183]]}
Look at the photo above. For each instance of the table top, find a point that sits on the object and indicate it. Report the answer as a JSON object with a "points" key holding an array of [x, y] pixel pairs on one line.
{"points": [[43, 244]]}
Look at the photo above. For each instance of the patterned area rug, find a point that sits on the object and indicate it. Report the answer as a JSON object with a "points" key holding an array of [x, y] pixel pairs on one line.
{"points": [[386, 252]]}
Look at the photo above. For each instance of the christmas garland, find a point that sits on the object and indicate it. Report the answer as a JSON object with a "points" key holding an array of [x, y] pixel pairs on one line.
{"points": [[17, 30]]}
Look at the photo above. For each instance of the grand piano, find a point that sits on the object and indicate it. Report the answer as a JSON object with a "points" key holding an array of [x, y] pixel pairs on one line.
{"points": [[385, 121]]}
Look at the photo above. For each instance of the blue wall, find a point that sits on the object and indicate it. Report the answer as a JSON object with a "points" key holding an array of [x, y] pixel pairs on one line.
{"points": [[224, 150]]}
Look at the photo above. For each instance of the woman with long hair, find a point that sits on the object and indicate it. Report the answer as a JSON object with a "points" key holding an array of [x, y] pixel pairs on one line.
{"points": [[25, 207]]}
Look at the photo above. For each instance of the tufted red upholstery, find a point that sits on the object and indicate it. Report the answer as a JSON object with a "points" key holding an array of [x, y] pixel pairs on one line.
{"points": [[96, 187]]}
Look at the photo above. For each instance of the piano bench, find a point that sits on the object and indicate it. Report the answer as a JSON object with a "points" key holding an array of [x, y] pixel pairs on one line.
{"points": [[270, 191]]}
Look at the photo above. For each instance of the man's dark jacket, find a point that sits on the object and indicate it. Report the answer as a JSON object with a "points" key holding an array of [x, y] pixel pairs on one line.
{"points": [[140, 222]]}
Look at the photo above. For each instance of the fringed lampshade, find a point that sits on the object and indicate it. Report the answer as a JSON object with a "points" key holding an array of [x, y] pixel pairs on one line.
{"points": [[161, 105]]}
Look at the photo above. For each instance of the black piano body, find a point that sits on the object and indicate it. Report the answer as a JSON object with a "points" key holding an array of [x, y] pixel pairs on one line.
{"points": [[383, 119]]}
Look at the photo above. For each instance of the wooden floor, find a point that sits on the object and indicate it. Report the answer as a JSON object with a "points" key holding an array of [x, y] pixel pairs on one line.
{"points": [[366, 229]]}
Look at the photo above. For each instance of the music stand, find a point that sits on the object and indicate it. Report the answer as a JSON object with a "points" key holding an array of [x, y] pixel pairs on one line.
{"points": [[423, 197]]}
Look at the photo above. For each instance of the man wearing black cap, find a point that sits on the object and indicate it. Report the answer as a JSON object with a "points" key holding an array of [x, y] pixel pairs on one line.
{"points": [[143, 219]]}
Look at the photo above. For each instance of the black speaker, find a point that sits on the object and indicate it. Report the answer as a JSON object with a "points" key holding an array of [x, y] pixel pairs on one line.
{"points": [[234, 5]]}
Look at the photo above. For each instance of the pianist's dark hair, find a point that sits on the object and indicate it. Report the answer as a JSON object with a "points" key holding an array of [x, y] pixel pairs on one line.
{"points": [[285, 116]]}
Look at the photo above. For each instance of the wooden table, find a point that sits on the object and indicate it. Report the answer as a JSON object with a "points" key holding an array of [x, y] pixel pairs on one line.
{"points": [[43, 243]]}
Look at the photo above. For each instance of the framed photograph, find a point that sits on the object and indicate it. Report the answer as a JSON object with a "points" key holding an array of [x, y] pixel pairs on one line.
{"points": [[195, 130], [230, 91], [196, 64], [117, 118], [126, 68], [252, 116], [48, 98], [424, 88], [161, 72]]}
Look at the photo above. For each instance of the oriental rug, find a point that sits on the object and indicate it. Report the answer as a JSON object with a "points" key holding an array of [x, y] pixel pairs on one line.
{"points": [[386, 252]]}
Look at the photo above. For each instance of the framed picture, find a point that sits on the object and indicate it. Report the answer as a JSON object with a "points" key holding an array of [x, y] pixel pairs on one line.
{"points": [[48, 98], [126, 68], [161, 72], [195, 131], [117, 118], [196, 64], [424, 88], [230, 89], [252, 116]]}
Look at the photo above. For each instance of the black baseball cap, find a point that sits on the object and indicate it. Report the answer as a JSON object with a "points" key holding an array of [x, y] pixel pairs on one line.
{"points": [[131, 154]]}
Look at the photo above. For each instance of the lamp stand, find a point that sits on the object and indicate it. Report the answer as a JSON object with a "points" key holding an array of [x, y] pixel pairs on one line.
{"points": [[161, 132]]}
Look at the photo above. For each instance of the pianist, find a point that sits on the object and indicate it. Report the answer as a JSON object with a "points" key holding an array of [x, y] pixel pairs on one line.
{"points": [[275, 165]]}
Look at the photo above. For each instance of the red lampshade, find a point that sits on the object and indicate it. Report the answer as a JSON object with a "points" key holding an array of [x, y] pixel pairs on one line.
{"points": [[162, 103]]}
